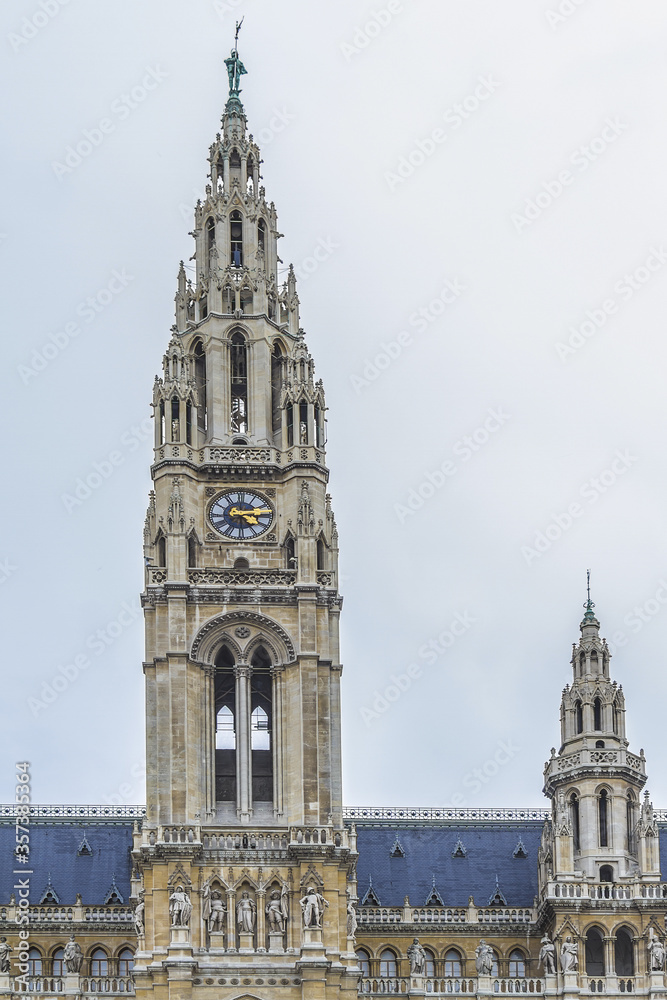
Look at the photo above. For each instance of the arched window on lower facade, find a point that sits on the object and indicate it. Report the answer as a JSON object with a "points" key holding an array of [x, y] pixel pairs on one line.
{"points": [[125, 962], [429, 964], [34, 962], [452, 964], [594, 953], [606, 873], [58, 962], [225, 727], [161, 551], [99, 963], [239, 384], [517, 965], [624, 953], [364, 962], [597, 715], [388, 968]]}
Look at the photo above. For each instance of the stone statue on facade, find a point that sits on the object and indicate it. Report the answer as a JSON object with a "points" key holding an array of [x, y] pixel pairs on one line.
{"points": [[656, 952], [417, 957], [180, 907], [139, 916], [351, 919], [277, 911], [547, 956], [484, 958], [312, 907], [73, 956], [214, 910], [5, 952], [569, 955], [562, 823], [245, 914]]}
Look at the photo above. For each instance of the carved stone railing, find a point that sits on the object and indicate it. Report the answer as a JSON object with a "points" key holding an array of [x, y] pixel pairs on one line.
{"points": [[212, 577], [326, 579], [393, 985], [379, 914], [303, 836], [46, 986], [43, 916], [239, 455], [52, 914], [409, 814], [518, 986], [107, 985], [445, 915], [438, 915], [75, 812], [504, 915], [116, 914], [605, 890], [598, 757], [271, 841]]}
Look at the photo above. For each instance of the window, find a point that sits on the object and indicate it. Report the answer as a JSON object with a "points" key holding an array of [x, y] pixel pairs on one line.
{"points": [[34, 962], [574, 816], [260, 738], [225, 734], [387, 964], [494, 968], [452, 964], [239, 373], [517, 965], [624, 958], [599, 744], [241, 563], [125, 962], [162, 551], [200, 382], [290, 425], [616, 716], [603, 809], [578, 717], [594, 662], [606, 873], [203, 307], [236, 238], [363, 961], [58, 962], [597, 715], [210, 235], [303, 423], [321, 554], [192, 551], [290, 553], [161, 419], [261, 235], [261, 697], [175, 415], [319, 428], [188, 423], [594, 953], [630, 818], [99, 963], [429, 965], [276, 390]]}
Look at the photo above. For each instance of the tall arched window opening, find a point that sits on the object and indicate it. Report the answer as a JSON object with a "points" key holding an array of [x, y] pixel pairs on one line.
{"points": [[594, 953], [162, 551], [606, 873], [125, 962], [290, 425], [321, 558], [429, 965], [236, 238], [388, 964], [239, 376], [603, 811], [200, 382], [99, 963], [631, 822], [192, 552], [624, 953], [578, 717], [261, 236], [261, 727], [319, 428], [574, 816], [175, 419], [34, 962], [452, 964], [597, 715], [290, 553], [225, 727], [210, 235], [276, 390], [58, 962], [517, 965], [303, 423], [161, 419], [364, 962], [615, 715]]}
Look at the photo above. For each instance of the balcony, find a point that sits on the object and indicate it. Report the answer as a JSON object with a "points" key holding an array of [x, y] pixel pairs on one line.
{"points": [[54, 986]]}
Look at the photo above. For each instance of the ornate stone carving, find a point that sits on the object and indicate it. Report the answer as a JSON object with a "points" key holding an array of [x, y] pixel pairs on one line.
{"points": [[214, 910], [73, 956], [139, 916], [5, 952], [246, 912], [569, 955], [242, 631], [547, 957], [656, 952], [180, 907], [417, 957], [277, 910], [313, 905], [484, 959]]}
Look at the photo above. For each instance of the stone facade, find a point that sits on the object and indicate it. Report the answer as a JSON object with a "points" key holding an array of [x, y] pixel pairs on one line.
{"points": [[244, 875]]}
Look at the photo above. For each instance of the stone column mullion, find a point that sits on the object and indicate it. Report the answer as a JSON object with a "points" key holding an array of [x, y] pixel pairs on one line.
{"points": [[277, 739], [231, 920], [261, 919], [209, 739], [242, 674]]}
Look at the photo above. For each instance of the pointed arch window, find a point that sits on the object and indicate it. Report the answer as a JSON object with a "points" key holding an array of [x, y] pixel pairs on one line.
{"points": [[594, 953], [210, 235], [261, 236], [260, 737], [225, 733], [290, 553], [364, 962], [162, 551], [34, 962], [99, 963], [452, 964], [603, 817], [239, 386], [200, 382], [125, 962], [429, 965], [58, 962], [225, 727], [321, 554], [303, 423], [615, 717], [624, 953], [597, 715], [277, 362], [387, 964], [261, 707], [631, 822], [578, 717], [290, 425], [319, 428], [517, 965], [175, 419], [236, 238], [574, 816], [162, 423]]}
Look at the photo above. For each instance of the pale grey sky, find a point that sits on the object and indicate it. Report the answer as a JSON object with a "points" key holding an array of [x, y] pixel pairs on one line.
{"points": [[485, 183]]}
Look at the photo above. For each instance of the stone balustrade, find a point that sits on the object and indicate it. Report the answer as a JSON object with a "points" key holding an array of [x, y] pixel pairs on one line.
{"points": [[376, 986], [605, 890], [47, 986], [445, 915]]}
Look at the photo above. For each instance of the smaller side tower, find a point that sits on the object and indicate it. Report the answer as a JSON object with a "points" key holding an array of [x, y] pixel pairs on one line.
{"points": [[599, 830]]}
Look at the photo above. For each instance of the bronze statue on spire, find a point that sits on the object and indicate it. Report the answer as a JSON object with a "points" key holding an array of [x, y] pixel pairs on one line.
{"points": [[235, 68]]}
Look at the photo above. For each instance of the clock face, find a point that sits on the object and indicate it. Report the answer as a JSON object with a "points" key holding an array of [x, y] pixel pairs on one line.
{"points": [[241, 514]]}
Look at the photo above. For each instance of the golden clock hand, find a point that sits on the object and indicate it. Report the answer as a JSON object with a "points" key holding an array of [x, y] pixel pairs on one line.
{"points": [[253, 512]]}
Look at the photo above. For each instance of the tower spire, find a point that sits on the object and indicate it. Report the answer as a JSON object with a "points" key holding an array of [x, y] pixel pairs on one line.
{"points": [[235, 70]]}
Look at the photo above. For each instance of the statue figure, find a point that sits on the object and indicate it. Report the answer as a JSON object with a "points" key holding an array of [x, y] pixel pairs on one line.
{"points": [[351, 919], [245, 914], [656, 952], [214, 910], [484, 958], [180, 907], [276, 911], [417, 957], [303, 432], [562, 823], [547, 956], [73, 955], [312, 907], [569, 955], [235, 68], [139, 916], [5, 952]]}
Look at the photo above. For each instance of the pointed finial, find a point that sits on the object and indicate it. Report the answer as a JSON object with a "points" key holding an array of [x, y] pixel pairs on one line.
{"points": [[589, 614]]}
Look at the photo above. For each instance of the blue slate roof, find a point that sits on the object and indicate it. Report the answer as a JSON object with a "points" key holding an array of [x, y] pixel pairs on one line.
{"points": [[54, 850], [489, 852]]}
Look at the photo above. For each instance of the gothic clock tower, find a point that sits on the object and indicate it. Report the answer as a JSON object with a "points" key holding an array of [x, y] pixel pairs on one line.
{"points": [[244, 871]]}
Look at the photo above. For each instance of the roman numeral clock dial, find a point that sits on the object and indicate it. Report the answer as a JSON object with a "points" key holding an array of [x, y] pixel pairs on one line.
{"points": [[241, 514]]}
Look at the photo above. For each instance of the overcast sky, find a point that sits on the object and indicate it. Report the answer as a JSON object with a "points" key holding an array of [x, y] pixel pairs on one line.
{"points": [[486, 185]]}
